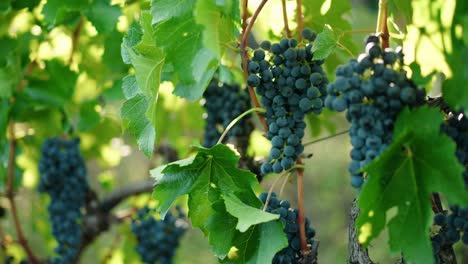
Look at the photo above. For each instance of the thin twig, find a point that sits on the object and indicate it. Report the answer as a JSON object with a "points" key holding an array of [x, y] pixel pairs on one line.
{"points": [[382, 27], [11, 196], [285, 19], [27, 72], [284, 184], [270, 191], [233, 122], [436, 204], [325, 138], [358, 31], [243, 46], [114, 198], [301, 217], [345, 48], [245, 14], [299, 19], [75, 39]]}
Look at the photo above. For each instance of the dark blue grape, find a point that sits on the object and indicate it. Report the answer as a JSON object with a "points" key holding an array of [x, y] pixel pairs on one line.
{"points": [[253, 80]]}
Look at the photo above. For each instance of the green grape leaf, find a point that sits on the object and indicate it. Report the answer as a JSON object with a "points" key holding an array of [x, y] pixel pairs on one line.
{"points": [[219, 24], [141, 51], [5, 7], [401, 8], [130, 87], [88, 117], [132, 38], [181, 40], [420, 161], [10, 69], [134, 120], [112, 46], [58, 89], [454, 90], [247, 215], [9, 78], [147, 72], [336, 14], [223, 230], [220, 197], [55, 12], [103, 16], [20, 4], [259, 244], [417, 76], [325, 43], [166, 9]]}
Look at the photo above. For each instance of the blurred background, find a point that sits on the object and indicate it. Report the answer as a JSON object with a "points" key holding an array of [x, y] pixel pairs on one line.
{"points": [[115, 162]]}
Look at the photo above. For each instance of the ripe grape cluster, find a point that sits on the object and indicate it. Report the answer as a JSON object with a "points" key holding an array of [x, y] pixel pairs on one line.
{"points": [[291, 84], [63, 177], [157, 239], [223, 103], [454, 225], [456, 127], [374, 89], [288, 216]]}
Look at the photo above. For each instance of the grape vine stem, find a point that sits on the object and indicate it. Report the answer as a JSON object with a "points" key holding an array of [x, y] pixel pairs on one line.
{"points": [[233, 122], [11, 195], [75, 39], [299, 18], [325, 138], [285, 19], [382, 27], [301, 216], [243, 46]]}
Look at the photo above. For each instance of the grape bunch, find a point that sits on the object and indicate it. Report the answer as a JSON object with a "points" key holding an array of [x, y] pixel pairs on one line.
{"points": [[454, 225], [291, 84], [63, 177], [453, 228], [456, 127], [157, 239], [374, 89], [223, 103], [288, 216]]}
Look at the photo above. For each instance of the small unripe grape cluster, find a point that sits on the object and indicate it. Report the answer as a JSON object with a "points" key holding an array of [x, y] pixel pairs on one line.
{"points": [[291, 84], [223, 103], [158, 239], [374, 89], [288, 216]]}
